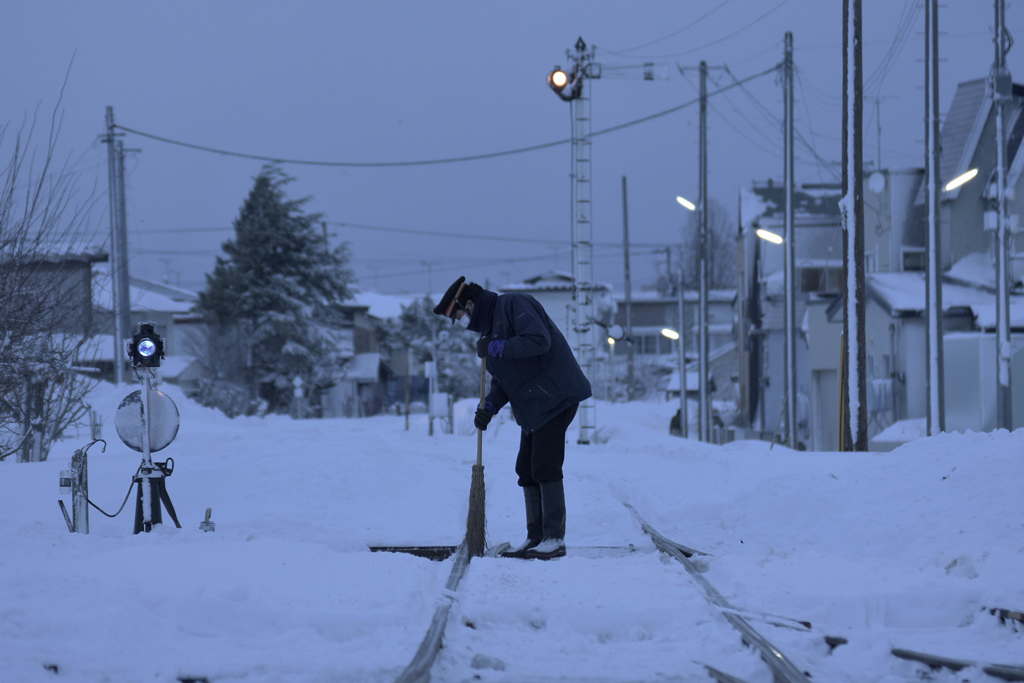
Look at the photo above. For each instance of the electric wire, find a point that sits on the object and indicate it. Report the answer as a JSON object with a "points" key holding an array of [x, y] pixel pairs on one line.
{"points": [[123, 502], [443, 160], [717, 40], [904, 25], [673, 34]]}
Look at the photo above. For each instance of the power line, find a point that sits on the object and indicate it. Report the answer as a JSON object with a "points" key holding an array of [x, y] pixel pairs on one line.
{"points": [[471, 236], [716, 41], [443, 160], [673, 33]]}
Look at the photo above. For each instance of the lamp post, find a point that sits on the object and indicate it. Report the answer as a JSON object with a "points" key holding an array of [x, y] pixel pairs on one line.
{"points": [[790, 341], [684, 417]]}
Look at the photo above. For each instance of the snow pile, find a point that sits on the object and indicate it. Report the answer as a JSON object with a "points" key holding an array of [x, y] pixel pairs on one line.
{"points": [[896, 549]]}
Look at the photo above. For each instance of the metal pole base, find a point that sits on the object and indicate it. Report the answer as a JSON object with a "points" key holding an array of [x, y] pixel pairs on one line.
{"points": [[158, 497]]}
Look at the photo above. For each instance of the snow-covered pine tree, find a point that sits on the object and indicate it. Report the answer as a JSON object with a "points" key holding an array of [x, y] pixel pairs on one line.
{"points": [[276, 295], [430, 336]]}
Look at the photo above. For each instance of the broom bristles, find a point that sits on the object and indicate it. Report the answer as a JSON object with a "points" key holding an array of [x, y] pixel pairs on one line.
{"points": [[476, 541]]}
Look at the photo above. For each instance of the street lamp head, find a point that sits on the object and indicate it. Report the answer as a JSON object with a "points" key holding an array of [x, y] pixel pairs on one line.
{"points": [[611, 341], [558, 79], [685, 203], [670, 333], [961, 179], [769, 236]]}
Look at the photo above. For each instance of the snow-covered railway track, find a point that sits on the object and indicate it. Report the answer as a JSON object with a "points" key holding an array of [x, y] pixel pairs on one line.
{"points": [[783, 670], [578, 618]]}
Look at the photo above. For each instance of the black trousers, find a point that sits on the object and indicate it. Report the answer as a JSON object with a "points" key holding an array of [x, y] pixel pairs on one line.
{"points": [[542, 451]]}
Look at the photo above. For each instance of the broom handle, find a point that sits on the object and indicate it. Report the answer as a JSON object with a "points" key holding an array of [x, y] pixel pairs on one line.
{"points": [[480, 432]]}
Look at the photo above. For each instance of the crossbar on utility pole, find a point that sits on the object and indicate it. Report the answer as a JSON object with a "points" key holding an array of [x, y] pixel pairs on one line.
{"points": [[936, 421], [789, 249]]}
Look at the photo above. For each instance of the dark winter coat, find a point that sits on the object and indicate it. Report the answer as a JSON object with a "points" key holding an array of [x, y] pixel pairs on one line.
{"points": [[536, 372]]}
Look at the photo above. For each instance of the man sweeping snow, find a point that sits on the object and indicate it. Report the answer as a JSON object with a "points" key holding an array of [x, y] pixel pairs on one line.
{"points": [[533, 369]]}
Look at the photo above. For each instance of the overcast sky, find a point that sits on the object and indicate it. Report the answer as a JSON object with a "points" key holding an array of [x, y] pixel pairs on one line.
{"points": [[394, 81]]}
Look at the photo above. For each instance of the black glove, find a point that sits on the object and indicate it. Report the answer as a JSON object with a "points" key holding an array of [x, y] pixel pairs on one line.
{"points": [[482, 418], [481, 346]]}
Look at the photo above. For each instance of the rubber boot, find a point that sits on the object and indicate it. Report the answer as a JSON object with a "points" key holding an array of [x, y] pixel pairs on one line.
{"points": [[534, 528], [552, 499]]}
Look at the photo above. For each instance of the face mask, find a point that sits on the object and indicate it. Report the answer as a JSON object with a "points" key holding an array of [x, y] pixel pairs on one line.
{"points": [[463, 322]]}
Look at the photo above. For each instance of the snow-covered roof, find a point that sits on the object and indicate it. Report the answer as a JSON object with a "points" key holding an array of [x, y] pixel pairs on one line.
{"points": [[384, 305], [550, 281], [902, 293], [976, 269], [813, 202], [647, 296], [50, 251], [142, 297]]}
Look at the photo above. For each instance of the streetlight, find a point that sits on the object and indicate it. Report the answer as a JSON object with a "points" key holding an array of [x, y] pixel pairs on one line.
{"points": [[685, 203], [961, 179], [769, 236], [676, 336]]}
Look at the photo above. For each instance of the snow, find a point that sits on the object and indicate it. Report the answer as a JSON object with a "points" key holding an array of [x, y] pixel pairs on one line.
{"points": [[385, 305], [897, 549], [142, 299]]}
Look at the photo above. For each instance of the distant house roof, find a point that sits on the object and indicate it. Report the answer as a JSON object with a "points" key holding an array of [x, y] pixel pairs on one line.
{"points": [[962, 128], [384, 305], [813, 202], [646, 296], [141, 293], [52, 252], [904, 294], [550, 281]]}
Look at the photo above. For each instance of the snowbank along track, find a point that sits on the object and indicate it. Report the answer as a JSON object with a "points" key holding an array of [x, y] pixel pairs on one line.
{"points": [[783, 670]]}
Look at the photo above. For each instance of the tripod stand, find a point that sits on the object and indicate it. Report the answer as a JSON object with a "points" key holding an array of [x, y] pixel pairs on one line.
{"points": [[150, 479], [151, 493]]}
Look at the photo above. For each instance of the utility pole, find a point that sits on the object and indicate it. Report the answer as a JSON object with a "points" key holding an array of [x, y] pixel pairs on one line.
{"points": [[936, 421], [630, 350], [117, 246], [1000, 90], [789, 248], [126, 307], [684, 412], [704, 406], [854, 402]]}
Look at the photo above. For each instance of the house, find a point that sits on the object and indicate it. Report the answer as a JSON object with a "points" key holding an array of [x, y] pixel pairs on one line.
{"points": [[554, 290], [761, 303], [895, 308], [656, 355], [966, 217], [52, 284], [170, 308], [896, 362]]}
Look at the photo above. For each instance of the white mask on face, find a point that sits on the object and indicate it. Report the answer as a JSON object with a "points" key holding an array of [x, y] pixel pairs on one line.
{"points": [[463, 322]]}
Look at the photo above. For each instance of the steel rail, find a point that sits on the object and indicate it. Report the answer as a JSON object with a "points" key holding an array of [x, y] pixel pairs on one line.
{"points": [[783, 670], [418, 669], [1006, 672]]}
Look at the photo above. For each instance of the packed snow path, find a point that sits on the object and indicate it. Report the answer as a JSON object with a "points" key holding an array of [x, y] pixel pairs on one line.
{"points": [[900, 549]]}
